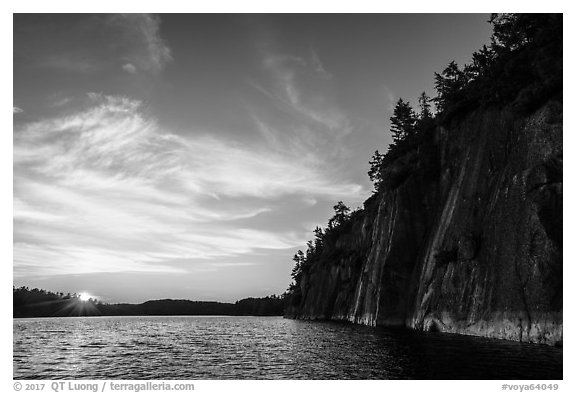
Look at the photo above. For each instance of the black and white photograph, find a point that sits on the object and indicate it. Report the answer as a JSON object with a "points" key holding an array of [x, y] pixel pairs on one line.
{"points": [[287, 196]]}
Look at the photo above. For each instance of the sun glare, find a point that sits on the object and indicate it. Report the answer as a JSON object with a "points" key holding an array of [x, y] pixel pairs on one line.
{"points": [[85, 296]]}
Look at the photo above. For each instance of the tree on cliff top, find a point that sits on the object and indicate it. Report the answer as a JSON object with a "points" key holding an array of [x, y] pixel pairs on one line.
{"points": [[405, 127], [374, 173], [303, 260], [425, 107], [299, 260], [403, 121], [513, 31], [448, 84], [342, 212], [522, 67]]}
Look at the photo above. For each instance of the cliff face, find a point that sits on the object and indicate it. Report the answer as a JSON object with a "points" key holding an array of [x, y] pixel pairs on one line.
{"points": [[465, 237]]}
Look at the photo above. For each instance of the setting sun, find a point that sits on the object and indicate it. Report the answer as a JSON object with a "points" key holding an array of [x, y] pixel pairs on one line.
{"points": [[85, 296]]}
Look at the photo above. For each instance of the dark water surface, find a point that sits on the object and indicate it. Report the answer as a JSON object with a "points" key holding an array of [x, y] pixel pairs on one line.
{"points": [[262, 348]]}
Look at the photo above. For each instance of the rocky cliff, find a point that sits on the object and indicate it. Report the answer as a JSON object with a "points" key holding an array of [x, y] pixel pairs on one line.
{"points": [[464, 237]]}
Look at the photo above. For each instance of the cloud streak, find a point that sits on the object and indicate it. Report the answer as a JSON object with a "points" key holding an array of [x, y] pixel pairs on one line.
{"points": [[101, 43], [81, 64], [303, 96], [303, 86], [147, 50], [108, 190], [129, 68], [317, 65]]}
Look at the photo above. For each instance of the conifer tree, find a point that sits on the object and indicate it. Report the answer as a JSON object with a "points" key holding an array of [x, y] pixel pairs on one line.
{"points": [[425, 107], [342, 212], [403, 121], [448, 84], [375, 172]]}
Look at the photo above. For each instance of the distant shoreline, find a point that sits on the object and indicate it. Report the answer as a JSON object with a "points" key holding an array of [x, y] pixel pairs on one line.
{"points": [[167, 316], [39, 303]]}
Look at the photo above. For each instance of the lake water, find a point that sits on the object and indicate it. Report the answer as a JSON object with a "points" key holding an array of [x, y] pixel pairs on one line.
{"points": [[262, 348]]}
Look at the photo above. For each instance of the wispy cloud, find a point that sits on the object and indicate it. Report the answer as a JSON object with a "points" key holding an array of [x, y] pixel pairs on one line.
{"points": [[101, 43], [390, 98], [129, 68], [57, 102], [317, 65], [147, 50], [303, 86], [16, 110], [306, 116], [71, 63], [108, 189]]}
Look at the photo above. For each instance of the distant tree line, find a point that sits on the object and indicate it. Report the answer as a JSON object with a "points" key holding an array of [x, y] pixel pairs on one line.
{"points": [[269, 305], [41, 303]]}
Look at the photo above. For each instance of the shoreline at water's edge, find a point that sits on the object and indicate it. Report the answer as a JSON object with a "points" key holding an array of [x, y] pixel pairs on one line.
{"points": [[490, 329]]}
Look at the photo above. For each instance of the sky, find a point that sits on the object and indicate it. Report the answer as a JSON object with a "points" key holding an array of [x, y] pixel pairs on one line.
{"points": [[191, 155]]}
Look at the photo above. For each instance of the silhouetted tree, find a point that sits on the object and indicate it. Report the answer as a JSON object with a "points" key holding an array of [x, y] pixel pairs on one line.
{"points": [[448, 84], [374, 173], [425, 107], [299, 260], [318, 239], [522, 67], [482, 61], [403, 121], [512, 31], [341, 215]]}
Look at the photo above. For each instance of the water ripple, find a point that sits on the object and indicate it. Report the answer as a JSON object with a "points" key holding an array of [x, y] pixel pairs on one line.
{"points": [[261, 348]]}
